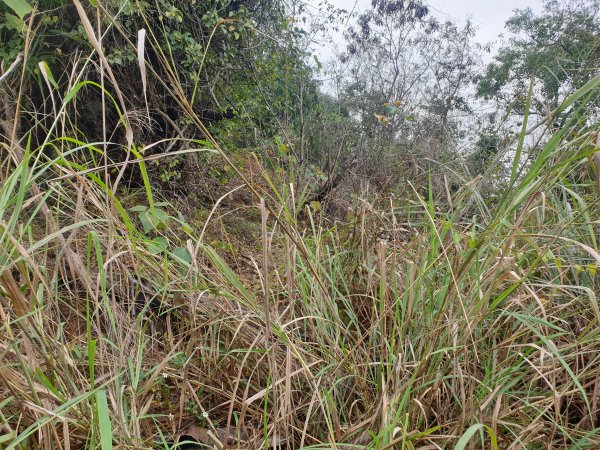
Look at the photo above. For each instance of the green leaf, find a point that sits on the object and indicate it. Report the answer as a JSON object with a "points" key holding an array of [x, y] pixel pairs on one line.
{"points": [[466, 437], [159, 216], [106, 438], [183, 254], [138, 208], [158, 245], [8, 437], [46, 68], [202, 143], [13, 22], [246, 297], [146, 222], [20, 7], [43, 379], [75, 89], [152, 219]]}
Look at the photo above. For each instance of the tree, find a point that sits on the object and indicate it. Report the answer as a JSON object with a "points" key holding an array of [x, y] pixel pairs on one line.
{"points": [[239, 60], [559, 47], [405, 76]]}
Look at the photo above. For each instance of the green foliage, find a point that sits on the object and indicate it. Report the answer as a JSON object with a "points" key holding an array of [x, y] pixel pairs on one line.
{"points": [[55, 26], [560, 47], [20, 7], [488, 146], [168, 169], [405, 321], [243, 86], [152, 218]]}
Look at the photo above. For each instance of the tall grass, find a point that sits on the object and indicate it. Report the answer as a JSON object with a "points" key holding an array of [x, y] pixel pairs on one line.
{"points": [[468, 326]]}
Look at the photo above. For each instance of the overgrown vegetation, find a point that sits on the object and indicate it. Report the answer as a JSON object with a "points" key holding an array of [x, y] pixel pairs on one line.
{"points": [[203, 248]]}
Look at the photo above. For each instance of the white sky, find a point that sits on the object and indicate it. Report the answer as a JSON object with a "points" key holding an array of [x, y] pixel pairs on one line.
{"points": [[488, 15]]}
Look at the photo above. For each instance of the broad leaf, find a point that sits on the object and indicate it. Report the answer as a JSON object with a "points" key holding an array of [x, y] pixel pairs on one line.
{"points": [[20, 7]]}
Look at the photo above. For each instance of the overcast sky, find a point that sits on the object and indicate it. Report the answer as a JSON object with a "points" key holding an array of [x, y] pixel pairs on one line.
{"points": [[488, 15]]}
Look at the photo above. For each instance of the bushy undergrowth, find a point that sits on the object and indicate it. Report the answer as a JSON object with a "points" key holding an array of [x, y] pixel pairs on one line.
{"points": [[482, 328], [411, 323]]}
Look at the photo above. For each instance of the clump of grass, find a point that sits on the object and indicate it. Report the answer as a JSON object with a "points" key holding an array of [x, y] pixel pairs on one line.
{"points": [[124, 328]]}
